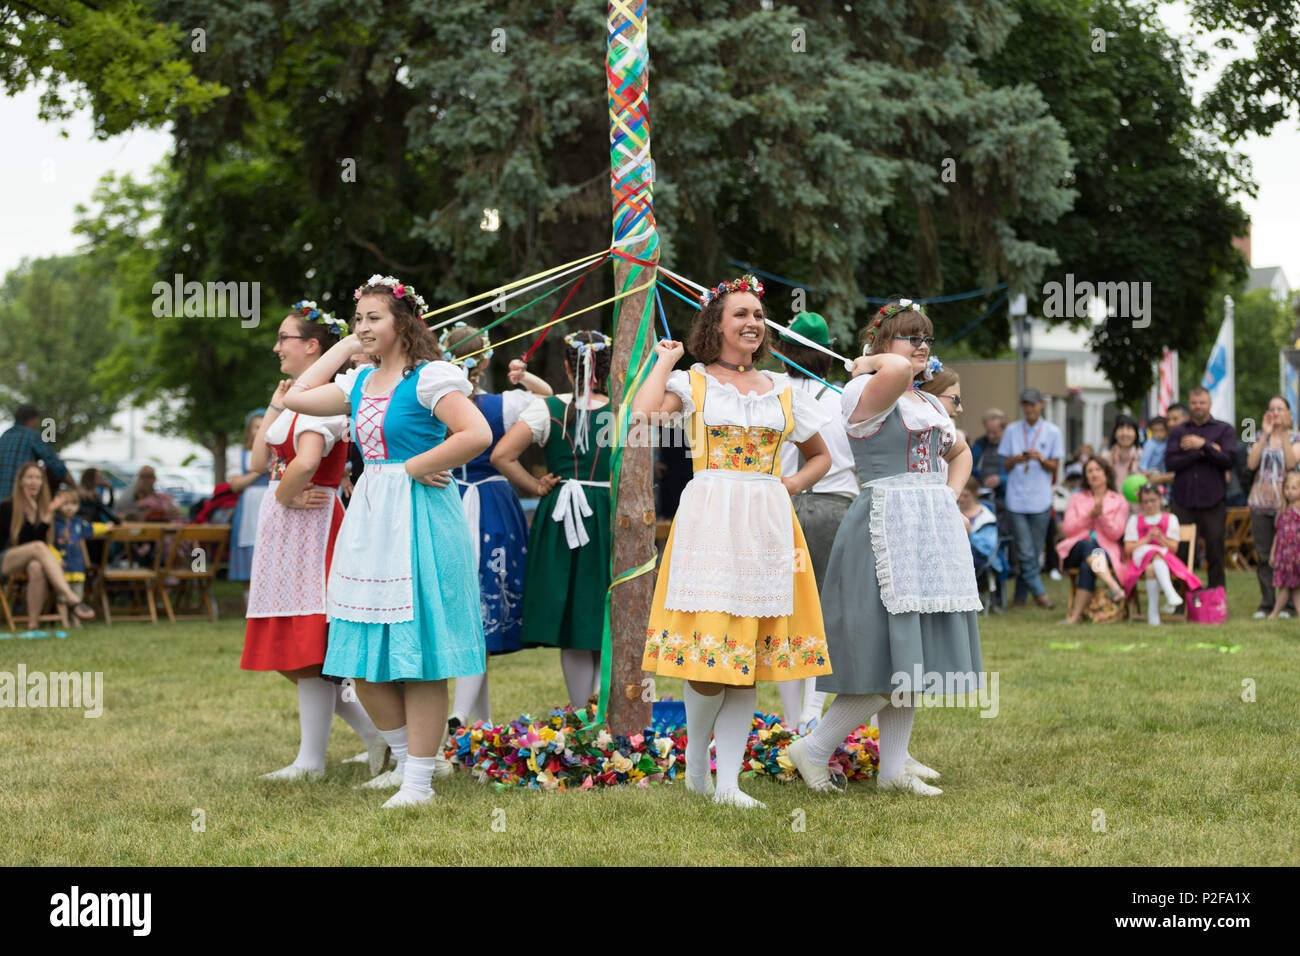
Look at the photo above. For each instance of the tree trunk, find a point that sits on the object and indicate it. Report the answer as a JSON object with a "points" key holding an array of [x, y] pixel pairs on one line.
{"points": [[219, 446], [634, 533]]}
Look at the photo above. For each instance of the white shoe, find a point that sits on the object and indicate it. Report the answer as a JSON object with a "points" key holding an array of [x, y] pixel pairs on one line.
{"points": [[706, 789], [1258, 615], [1173, 600], [817, 778], [735, 798], [1285, 613], [293, 772], [376, 754], [362, 757], [918, 769], [1054, 574], [385, 781], [908, 781], [442, 767], [408, 798]]}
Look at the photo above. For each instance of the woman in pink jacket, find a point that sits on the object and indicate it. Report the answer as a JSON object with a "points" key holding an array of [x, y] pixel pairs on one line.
{"points": [[1093, 528]]}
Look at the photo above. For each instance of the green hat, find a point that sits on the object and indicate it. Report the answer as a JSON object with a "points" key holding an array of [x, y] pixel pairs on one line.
{"points": [[812, 327]]}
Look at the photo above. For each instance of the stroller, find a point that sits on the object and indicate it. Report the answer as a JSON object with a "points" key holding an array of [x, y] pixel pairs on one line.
{"points": [[990, 547]]}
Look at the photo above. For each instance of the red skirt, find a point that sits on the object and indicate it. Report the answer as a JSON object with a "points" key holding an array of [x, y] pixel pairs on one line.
{"points": [[290, 642]]}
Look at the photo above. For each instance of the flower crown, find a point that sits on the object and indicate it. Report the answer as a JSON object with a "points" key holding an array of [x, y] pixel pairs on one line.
{"points": [[445, 343], [746, 283], [308, 310], [887, 312], [573, 342], [400, 290]]}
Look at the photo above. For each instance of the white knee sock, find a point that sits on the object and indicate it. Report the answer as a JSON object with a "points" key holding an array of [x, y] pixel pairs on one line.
{"points": [[397, 741], [595, 673], [701, 714], [466, 695], [791, 692], [482, 709], [1153, 602], [895, 732], [1162, 575], [814, 701], [355, 716], [731, 730], [846, 714], [315, 711], [418, 775], [579, 675]]}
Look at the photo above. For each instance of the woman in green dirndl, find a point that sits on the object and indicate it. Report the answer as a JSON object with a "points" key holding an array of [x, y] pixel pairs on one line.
{"points": [[570, 541]]}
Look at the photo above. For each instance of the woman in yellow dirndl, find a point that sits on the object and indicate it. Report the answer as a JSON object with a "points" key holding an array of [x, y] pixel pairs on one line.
{"points": [[736, 601]]}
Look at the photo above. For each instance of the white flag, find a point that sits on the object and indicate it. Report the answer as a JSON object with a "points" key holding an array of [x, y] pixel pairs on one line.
{"points": [[1220, 371]]}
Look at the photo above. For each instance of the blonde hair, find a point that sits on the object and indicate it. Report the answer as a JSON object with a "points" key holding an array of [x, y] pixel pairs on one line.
{"points": [[20, 504]]}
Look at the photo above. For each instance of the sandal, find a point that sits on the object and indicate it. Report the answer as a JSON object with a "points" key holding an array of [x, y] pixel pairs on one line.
{"points": [[84, 611]]}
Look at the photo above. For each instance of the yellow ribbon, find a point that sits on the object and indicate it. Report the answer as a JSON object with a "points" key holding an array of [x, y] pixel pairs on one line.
{"points": [[510, 285]]}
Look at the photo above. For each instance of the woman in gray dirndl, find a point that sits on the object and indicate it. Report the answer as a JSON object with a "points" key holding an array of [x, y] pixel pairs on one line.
{"points": [[900, 599]]}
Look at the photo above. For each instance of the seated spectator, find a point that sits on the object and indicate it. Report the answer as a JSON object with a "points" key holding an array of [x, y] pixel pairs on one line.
{"points": [[982, 529], [70, 529], [22, 443], [986, 463], [95, 497], [144, 502], [26, 536], [1093, 527]]}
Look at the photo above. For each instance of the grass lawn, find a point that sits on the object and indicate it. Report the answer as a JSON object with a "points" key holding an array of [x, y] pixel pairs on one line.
{"points": [[1132, 722]]}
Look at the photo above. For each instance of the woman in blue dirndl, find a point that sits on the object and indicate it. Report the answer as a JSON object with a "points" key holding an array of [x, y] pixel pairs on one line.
{"points": [[402, 595]]}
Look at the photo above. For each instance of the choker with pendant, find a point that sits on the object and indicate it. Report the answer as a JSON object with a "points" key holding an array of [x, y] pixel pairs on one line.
{"points": [[734, 368]]}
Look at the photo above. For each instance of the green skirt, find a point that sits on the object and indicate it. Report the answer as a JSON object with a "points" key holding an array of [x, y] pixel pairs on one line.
{"points": [[564, 588]]}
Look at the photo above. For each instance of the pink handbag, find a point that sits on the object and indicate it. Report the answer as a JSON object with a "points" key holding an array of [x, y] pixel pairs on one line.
{"points": [[1207, 606]]}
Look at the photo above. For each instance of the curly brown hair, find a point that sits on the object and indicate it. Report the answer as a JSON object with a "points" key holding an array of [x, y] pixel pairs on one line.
{"points": [[903, 322], [1106, 467], [417, 342], [705, 339], [942, 381]]}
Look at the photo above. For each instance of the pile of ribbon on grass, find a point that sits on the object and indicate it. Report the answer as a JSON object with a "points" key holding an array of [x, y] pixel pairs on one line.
{"points": [[565, 752]]}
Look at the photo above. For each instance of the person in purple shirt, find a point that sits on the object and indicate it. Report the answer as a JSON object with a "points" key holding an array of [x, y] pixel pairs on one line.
{"points": [[1198, 452]]}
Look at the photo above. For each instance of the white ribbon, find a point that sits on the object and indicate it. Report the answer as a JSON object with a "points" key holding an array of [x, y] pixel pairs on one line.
{"points": [[473, 512], [571, 507]]}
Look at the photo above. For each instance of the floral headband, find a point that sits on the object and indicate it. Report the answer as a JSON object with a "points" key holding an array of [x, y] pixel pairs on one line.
{"points": [[445, 343], [887, 312], [746, 283], [400, 290], [308, 310], [573, 342]]}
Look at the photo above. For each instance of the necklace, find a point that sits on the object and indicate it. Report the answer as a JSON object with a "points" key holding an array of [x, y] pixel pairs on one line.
{"points": [[734, 368]]}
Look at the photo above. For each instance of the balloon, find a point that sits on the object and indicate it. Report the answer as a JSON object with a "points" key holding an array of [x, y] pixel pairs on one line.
{"points": [[1131, 485]]}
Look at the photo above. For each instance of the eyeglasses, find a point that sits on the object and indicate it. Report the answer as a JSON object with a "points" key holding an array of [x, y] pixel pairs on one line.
{"points": [[281, 337], [918, 340], [955, 399]]}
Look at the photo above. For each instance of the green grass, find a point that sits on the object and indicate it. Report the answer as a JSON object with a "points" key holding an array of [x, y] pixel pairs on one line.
{"points": [[1135, 723]]}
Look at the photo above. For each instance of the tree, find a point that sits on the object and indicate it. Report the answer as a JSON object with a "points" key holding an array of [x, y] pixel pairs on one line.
{"points": [[52, 317], [1253, 93], [112, 56], [1153, 196]]}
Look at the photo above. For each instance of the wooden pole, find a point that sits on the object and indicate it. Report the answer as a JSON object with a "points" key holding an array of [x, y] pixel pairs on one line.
{"points": [[632, 176]]}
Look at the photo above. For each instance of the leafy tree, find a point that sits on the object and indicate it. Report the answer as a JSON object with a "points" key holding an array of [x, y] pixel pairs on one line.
{"points": [[52, 317]]}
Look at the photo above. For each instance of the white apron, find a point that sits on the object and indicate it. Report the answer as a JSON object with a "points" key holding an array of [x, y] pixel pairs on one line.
{"points": [[249, 515], [923, 559], [474, 512], [288, 574], [733, 546], [370, 576]]}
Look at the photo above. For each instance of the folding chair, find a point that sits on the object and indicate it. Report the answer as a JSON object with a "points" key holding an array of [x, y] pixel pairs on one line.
{"points": [[136, 580], [1186, 536], [1238, 542], [14, 594], [185, 577]]}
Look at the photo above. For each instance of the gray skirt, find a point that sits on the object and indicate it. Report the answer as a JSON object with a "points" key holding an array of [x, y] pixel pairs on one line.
{"points": [[867, 645], [820, 516]]}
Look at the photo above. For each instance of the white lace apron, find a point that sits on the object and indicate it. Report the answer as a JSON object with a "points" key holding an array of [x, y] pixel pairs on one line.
{"points": [[923, 559], [370, 576], [733, 546], [288, 577]]}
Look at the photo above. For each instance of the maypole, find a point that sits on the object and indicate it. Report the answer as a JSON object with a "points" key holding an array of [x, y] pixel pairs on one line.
{"points": [[636, 251]]}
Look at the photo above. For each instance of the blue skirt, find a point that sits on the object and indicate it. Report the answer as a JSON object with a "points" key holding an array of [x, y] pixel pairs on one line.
{"points": [[445, 637], [503, 539]]}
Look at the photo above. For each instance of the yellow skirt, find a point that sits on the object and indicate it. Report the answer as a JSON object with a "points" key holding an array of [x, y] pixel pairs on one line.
{"points": [[725, 649]]}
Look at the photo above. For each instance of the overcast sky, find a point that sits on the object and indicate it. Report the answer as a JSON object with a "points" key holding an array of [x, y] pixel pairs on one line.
{"points": [[45, 175]]}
